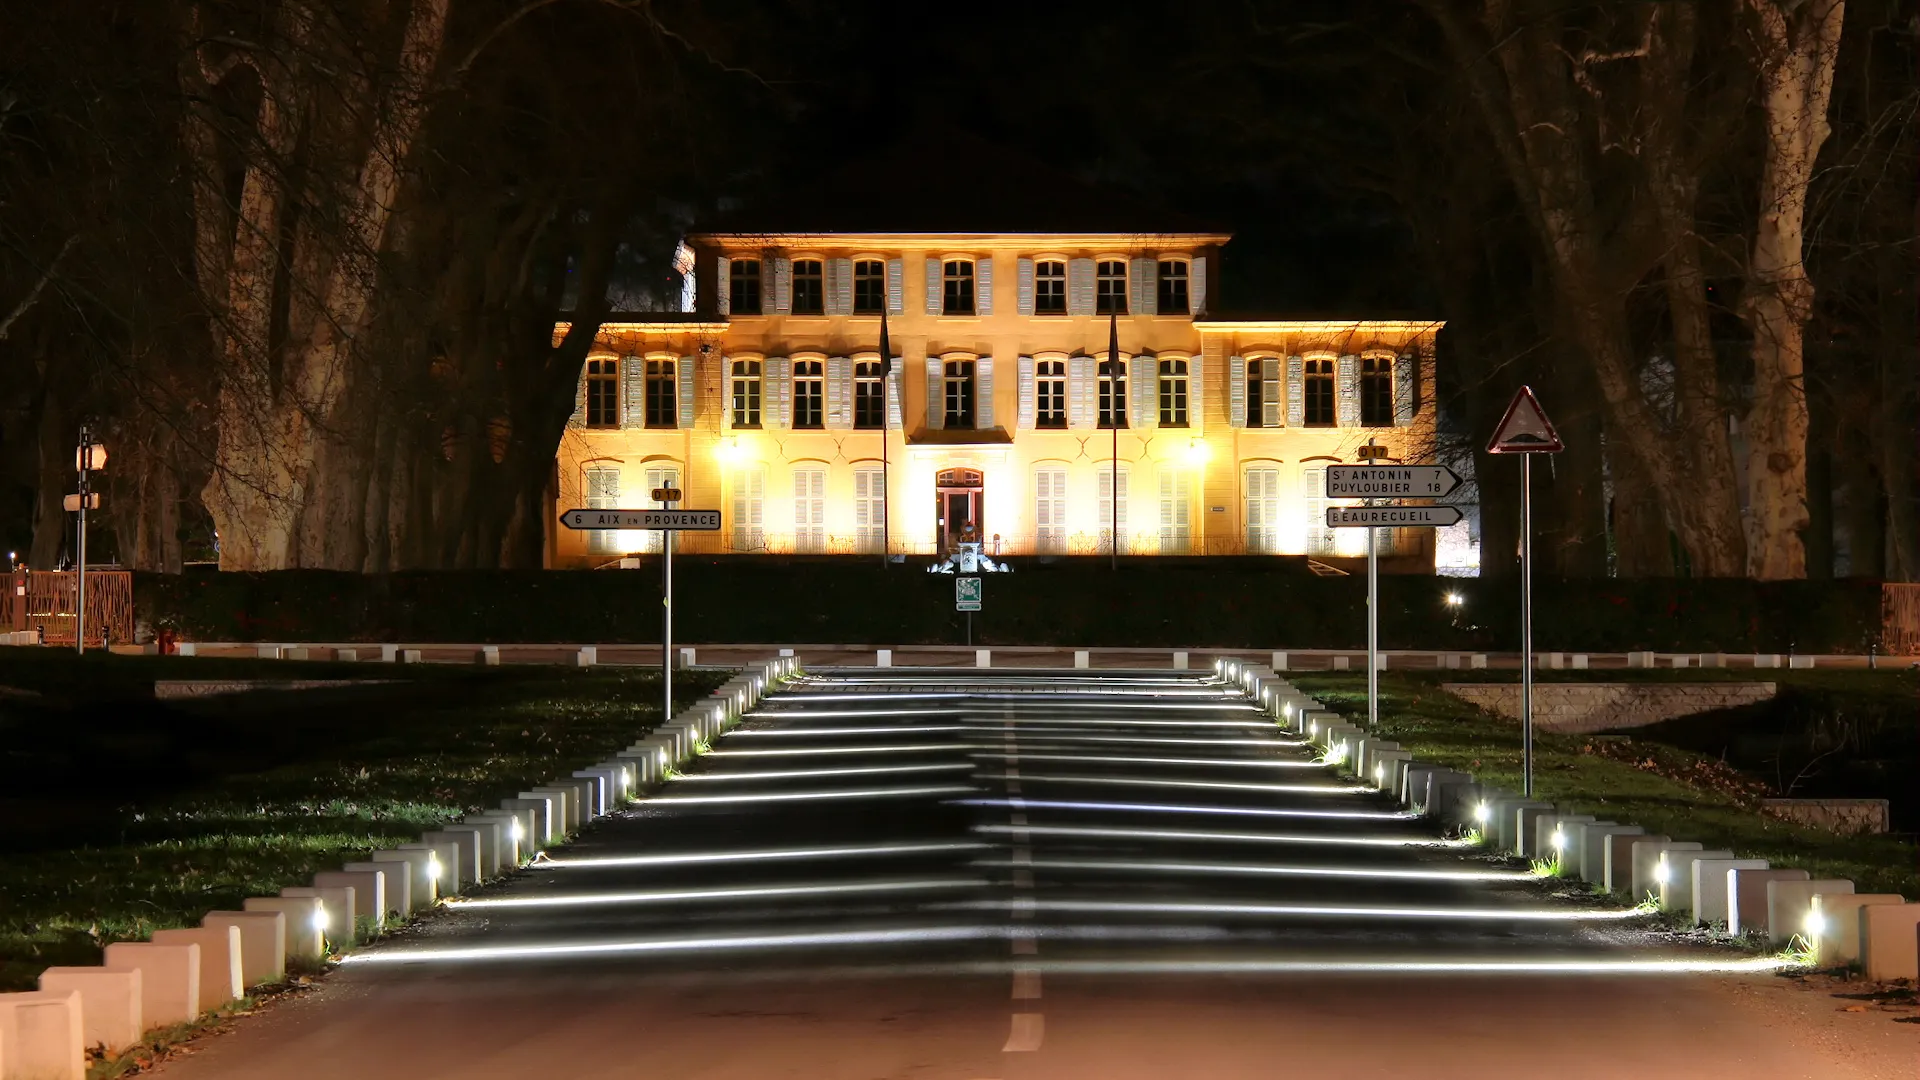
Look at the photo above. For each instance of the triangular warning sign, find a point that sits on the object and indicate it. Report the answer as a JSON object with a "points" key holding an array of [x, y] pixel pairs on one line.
{"points": [[1525, 428]]}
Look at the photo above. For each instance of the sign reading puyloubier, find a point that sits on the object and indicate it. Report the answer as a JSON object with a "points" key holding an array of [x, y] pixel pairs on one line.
{"points": [[700, 520], [1390, 481], [1390, 517]]}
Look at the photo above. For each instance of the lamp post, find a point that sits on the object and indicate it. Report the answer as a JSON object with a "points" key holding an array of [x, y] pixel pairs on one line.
{"points": [[87, 457]]}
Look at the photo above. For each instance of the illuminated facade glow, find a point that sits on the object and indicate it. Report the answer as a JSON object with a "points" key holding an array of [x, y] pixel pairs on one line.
{"points": [[766, 407]]}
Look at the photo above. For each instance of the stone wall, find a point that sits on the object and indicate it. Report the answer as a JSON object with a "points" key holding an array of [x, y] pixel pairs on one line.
{"points": [[1848, 817], [1581, 707]]}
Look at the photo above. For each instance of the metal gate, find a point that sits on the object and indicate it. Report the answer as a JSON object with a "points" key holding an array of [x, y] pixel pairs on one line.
{"points": [[45, 600]]}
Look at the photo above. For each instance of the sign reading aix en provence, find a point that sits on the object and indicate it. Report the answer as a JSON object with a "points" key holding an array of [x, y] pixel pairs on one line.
{"points": [[699, 520]]}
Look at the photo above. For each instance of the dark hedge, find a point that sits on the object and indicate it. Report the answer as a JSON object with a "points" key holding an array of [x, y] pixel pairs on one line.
{"points": [[1229, 602]]}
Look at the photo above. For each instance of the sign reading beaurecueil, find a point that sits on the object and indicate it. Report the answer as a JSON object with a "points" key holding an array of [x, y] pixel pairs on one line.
{"points": [[1390, 517], [1390, 481], [700, 520]]}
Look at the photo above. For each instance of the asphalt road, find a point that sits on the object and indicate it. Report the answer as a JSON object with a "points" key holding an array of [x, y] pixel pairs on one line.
{"points": [[951, 875]]}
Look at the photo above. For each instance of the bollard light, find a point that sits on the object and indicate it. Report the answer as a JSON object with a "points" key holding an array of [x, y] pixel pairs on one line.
{"points": [[1559, 841], [662, 756], [433, 865], [1379, 775], [1660, 871], [320, 919], [516, 829], [1481, 813], [626, 779], [1454, 599], [1815, 925]]}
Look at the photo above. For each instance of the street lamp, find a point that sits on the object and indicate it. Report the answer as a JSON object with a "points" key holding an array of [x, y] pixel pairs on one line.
{"points": [[89, 457], [1454, 599]]}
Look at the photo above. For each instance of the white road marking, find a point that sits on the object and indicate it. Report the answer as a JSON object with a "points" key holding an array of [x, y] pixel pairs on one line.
{"points": [[1023, 879], [1026, 984], [1023, 907], [1028, 1030], [1022, 856], [1025, 944]]}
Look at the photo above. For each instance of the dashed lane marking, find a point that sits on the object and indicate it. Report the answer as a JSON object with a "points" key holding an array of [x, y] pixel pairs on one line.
{"points": [[1028, 1030], [1026, 984]]}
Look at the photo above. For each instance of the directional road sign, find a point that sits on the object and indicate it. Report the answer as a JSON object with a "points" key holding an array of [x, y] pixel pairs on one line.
{"points": [[966, 594], [702, 520], [1390, 481], [1390, 517]]}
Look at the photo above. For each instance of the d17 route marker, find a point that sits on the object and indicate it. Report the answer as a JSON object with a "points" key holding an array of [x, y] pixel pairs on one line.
{"points": [[1390, 517], [1390, 481], [673, 520]]}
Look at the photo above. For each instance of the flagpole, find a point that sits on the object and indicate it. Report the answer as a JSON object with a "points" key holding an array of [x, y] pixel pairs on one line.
{"points": [[886, 479], [1114, 414]]}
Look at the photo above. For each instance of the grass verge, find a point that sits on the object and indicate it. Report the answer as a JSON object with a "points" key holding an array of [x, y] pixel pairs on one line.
{"points": [[127, 815], [1664, 789]]}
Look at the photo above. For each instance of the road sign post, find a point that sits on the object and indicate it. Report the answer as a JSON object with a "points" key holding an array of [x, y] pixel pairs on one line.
{"points": [[666, 497], [1525, 430], [966, 597], [1372, 482]]}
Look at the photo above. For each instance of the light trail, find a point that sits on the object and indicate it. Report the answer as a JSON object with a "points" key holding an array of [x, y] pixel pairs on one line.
{"points": [[677, 896], [691, 858], [1170, 808], [1188, 836]]}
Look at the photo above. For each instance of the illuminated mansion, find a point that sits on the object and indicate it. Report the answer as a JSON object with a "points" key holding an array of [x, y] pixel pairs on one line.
{"points": [[769, 400]]}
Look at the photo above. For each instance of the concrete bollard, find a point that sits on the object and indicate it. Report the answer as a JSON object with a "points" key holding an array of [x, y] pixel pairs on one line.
{"points": [[1082, 658], [186, 648], [1384, 769], [488, 656], [336, 910], [1596, 838], [883, 658], [1556, 661], [1801, 662], [411, 656], [1790, 907], [1179, 660], [1520, 841], [1450, 661], [294, 652], [220, 980], [1443, 791], [1890, 941], [42, 1035], [586, 656], [597, 794], [267, 652], [1713, 659], [582, 791], [983, 658], [1477, 662], [1553, 835], [1837, 923], [169, 979], [1580, 661], [389, 654], [1675, 873], [1747, 898], [1279, 661], [1646, 865], [1766, 660], [263, 943], [498, 853], [526, 830], [545, 812], [109, 1004], [306, 934], [369, 894], [1573, 860], [473, 866], [418, 873], [1341, 663], [347, 656], [1712, 881], [567, 801], [396, 887], [443, 865], [1616, 861]]}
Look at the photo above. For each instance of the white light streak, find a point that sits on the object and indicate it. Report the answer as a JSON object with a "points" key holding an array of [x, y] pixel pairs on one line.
{"points": [[1651, 966], [1064, 721], [811, 751], [808, 714], [919, 935], [1257, 870], [1222, 837], [904, 729], [818, 774], [1170, 808], [675, 896], [1041, 736], [1192, 785], [1230, 763], [1129, 907], [808, 796], [853, 851]]}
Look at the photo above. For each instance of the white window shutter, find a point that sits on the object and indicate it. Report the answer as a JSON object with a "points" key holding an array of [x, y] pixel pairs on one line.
{"points": [[782, 285], [1197, 285], [726, 391], [896, 287], [1296, 391], [1026, 393], [1403, 386], [1196, 392], [983, 394], [683, 394], [776, 392], [1026, 285], [1080, 287], [579, 417], [1080, 392], [1270, 392], [1347, 392], [839, 286], [933, 286], [839, 401], [1236, 391], [723, 285], [893, 396], [1146, 391], [936, 395], [983, 285], [1146, 289], [633, 392]]}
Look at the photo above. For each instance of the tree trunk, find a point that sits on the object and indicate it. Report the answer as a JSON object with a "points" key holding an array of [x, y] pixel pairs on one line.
{"points": [[51, 523], [1642, 542], [1798, 48], [1818, 537]]}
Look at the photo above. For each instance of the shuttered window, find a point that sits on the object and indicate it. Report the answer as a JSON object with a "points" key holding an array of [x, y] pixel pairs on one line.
{"points": [[1263, 392], [1173, 288], [1113, 519], [603, 493], [956, 281], [1050, 511], [746, 393], [663, 385], [1263, 511], [743, 287], [869, 287], [1313, 496], [603, 393], [749, 509], [809, 287], [809, 394], [1318, 394], [868, 392], [1176, 513], [657, 477], [1173, 393], [1376, 391], [959, 412], [1050, 394], [810, 510], [1113, 392], [869, 508], [1110, 289], [1050, 288]]}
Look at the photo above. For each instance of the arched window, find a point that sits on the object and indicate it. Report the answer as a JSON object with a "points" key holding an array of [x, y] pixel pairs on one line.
{"points": [[1111, 284], [1113, 393], [662, 411], [603, 393], [809, 394], [809, 288], [746, 393], [1376, 391], [869, 395], [1049, 288], [1319, 393], [1050, 394], [1173, 393]]}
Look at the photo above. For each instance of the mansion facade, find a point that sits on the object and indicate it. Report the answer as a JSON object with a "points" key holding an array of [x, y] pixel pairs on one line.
{"points": [[999, 415]]}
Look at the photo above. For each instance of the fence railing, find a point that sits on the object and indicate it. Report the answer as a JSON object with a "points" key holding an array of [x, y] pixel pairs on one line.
{"points": [[1900, 619], [48, 601], [1052, 542]]}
